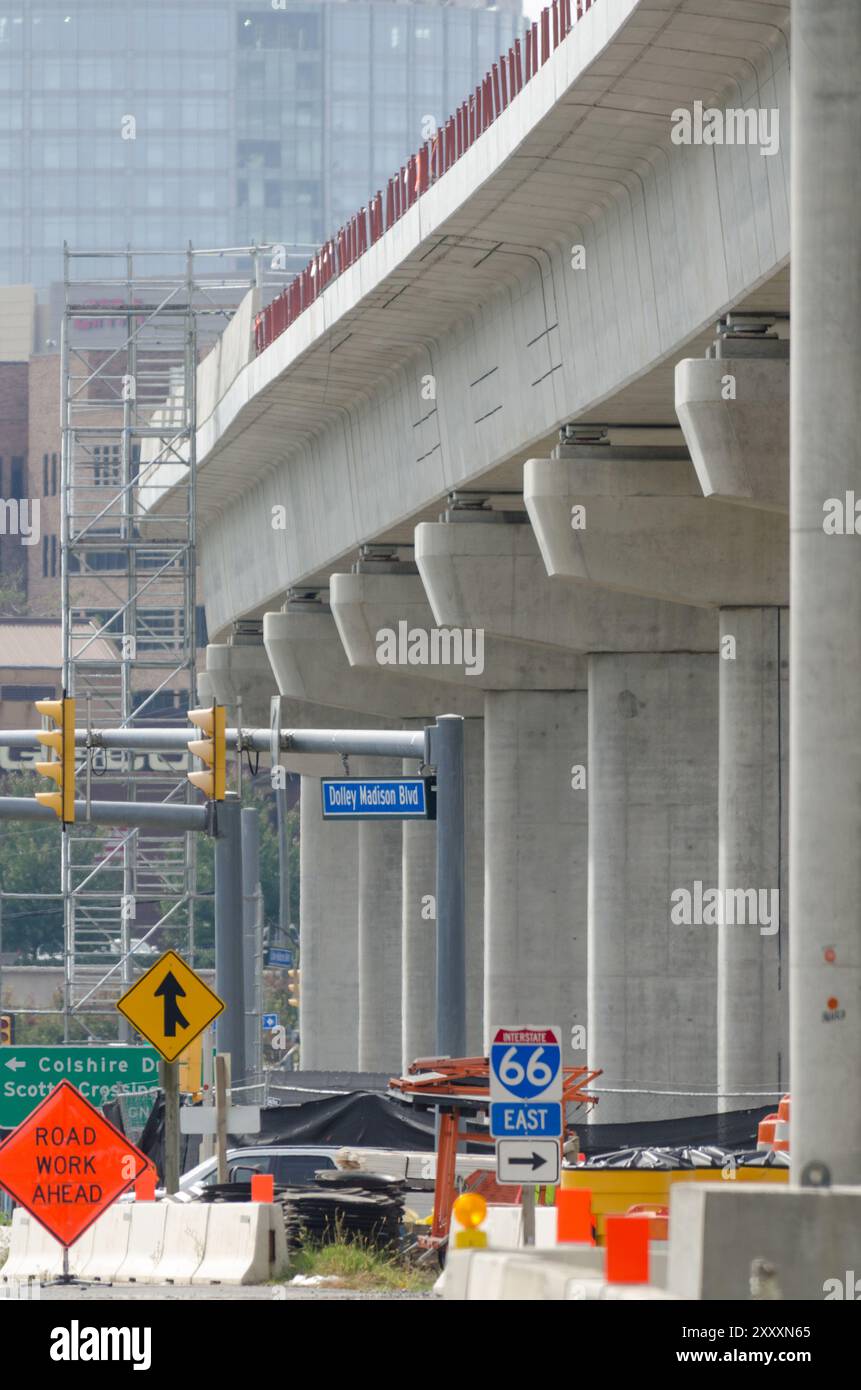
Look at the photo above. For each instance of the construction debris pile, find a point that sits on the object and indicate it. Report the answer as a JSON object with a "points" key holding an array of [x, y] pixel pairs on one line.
{"points": [[341, 1206]]}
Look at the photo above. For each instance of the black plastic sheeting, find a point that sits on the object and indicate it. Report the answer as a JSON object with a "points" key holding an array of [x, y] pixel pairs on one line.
{"points": [[365, 1119], [734, 1130], [360, 1119], [151, 1141]]}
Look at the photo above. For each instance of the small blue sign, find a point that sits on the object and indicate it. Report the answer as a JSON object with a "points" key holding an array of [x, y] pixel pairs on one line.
{"points": [[279, 955], [525, 1119], [377, 798], [270, 1020]]}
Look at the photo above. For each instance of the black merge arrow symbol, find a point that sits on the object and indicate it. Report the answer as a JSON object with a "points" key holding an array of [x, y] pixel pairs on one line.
{"points": [[534, 1161], [170, 990]]}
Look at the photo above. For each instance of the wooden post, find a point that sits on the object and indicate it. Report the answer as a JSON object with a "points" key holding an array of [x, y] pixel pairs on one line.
{"points": [[222, 1083], [527, 1206], [207, 1141], [170, 1086]]}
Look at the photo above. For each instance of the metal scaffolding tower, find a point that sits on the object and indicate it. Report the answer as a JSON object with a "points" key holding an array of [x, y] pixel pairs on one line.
{"points": [[130, 619]]}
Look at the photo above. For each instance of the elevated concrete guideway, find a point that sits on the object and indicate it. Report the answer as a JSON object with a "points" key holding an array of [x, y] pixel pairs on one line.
{"points": [[567, 271], [456, 345], [549, 411]]}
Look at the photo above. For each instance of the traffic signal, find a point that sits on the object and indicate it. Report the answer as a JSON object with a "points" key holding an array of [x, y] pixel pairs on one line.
{"points": [[7, 1030], [62, 767], [211, 750], [294, 978]]}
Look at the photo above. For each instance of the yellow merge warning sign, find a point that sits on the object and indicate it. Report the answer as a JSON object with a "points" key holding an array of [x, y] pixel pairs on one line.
{"points": [[170, 1005]]}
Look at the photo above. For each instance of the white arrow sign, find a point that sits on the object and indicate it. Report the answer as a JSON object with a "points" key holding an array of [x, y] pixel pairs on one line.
{"points": [[527, 1160], [15, 1063]]}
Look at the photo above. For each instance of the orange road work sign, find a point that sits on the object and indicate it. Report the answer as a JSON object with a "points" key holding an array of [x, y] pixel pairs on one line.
{"points": [[66, 1163]]}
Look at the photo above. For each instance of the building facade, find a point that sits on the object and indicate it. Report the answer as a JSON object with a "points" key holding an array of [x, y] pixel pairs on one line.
{"points": [[218, 122], [31, 660], [17, 334]]}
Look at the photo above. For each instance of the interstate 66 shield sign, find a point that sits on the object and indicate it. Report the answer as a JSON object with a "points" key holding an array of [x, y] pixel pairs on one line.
{"points": [[525, 1082]]}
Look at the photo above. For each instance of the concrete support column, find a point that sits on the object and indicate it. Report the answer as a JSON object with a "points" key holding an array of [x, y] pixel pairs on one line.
{"points": [[419, 912], [825, 597], [652, 768], [535, 860], [418, 941], [379, 941], [418, 944], [473, 758], [753, 962], [328, 937], [311, 670], [490, 573]]}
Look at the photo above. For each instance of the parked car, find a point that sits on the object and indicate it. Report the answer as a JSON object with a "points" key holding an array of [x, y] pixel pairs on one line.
{"points": [[290, 1167], [294, 1166]]}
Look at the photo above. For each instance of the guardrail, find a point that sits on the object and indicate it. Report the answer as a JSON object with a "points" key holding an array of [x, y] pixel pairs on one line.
{"points": [[499, 87]]}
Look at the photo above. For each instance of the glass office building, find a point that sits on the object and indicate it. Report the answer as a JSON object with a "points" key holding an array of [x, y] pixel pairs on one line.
{"points": [[159, 122]]}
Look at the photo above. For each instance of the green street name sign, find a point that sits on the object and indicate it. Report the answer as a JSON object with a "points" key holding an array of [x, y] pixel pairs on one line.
{"points": [[99, 1071]]}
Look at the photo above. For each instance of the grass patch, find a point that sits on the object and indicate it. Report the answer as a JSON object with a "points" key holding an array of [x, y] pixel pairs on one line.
{"points": [[358, 1266]]}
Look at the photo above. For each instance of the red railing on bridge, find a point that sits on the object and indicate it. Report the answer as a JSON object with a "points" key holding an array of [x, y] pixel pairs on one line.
{"points": [[494, 93]]}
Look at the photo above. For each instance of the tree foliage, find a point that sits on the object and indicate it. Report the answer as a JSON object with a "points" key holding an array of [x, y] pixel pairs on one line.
{"points": [[13, 598], [29, 863]]}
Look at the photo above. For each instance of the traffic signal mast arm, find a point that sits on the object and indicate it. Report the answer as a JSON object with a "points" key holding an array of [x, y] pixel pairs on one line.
{"points": [[386, 743]]}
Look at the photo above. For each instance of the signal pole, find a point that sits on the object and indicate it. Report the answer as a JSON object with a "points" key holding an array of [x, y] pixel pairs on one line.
{"points": [[229, 955]]}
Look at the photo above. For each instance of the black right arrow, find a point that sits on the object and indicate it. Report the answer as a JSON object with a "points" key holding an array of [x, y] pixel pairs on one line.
{"points": [[170, 990], [536, 1161]]}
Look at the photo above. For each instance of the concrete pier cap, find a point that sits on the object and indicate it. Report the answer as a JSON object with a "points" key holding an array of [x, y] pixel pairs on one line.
{"points": [[310, 663], [635, 520], [733, 406], [495, 577], [239, 670], [387, 624], [243, 670]]}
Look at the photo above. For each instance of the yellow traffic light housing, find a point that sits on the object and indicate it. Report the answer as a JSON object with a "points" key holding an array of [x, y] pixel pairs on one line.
{"points": [[294, 977], [211, 750], [7, 1030], [62, 767]]}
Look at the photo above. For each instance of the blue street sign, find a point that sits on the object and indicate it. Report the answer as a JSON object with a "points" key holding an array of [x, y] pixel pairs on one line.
{"points": [[279, 956], [377, 798], [525, 1120], [270, 1020]]}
